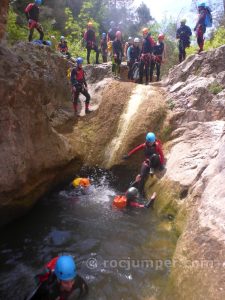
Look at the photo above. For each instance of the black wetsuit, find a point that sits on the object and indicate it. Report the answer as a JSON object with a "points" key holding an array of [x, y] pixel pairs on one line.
{"points": [[183, 34], [50, 289], [158, 52]]}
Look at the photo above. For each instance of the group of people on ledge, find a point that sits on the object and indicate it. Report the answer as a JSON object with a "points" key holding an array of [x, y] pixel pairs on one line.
{"points": [[148, 53]]}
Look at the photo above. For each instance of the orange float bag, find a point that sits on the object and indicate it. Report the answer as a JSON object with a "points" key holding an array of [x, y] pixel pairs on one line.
{"points": [[120, 201]]}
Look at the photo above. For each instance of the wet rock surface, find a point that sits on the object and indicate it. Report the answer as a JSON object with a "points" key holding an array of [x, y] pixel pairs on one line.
{"points": [[195, 163]]}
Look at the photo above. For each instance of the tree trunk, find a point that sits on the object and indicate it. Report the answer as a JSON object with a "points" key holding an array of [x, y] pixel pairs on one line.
{"points": [[3, 16]]}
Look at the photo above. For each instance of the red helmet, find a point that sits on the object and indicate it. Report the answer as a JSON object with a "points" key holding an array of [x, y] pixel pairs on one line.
{"points": [[118, 34], [161, 36]]}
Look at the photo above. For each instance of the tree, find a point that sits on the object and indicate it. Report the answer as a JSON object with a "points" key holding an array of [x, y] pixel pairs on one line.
{"points": [[143, 14]]}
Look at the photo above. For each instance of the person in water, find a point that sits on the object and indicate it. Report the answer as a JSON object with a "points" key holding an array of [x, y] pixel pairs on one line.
{"points": [[132, 199], [60, 281], [81, 185], [154, 158]]}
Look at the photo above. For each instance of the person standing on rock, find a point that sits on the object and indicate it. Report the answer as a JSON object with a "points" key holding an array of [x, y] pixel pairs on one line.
{"points": [[146, 55], [154, 158], [200, 27], [183, 34], [59, 281], [90, 40], [127, 45], [63, 47], [79, 85], [159, 54], [104, 47], [117, 48], [133, 56], [111, 35], [32, 14]]}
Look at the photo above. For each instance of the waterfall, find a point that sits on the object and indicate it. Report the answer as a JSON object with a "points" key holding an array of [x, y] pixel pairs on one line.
{"points": [[139, 95]]}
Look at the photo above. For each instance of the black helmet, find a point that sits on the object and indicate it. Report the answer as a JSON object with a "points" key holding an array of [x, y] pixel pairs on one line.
{"points": [[132, 193]]}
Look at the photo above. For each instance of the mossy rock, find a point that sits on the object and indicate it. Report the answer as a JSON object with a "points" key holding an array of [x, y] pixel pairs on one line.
{"points": [[168, 203], [167, 196]]}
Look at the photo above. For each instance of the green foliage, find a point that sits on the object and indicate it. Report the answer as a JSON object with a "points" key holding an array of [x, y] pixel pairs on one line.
{"points": [[14, 32], [166, 133], [215, 88], [171, 104], [217, 39]]}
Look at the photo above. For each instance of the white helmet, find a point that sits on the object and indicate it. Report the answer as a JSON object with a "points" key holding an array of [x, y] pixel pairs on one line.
{"points": [[130, 38], [62, 37], [136, 40]]}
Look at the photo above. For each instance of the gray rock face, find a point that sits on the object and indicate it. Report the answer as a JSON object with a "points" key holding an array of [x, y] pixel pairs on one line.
{"points": [[197, 162], [32, 91], [196, 88]]}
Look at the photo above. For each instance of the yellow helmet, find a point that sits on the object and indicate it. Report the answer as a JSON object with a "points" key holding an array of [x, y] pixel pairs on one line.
{"points": [[90, 24], [85, 182]]}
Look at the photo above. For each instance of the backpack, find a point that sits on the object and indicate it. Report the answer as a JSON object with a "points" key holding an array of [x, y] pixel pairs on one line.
{"points": [[120, 201], [208, 17]]}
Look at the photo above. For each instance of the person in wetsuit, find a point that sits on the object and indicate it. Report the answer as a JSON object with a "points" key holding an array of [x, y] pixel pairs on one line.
{"points": [[91, 44], [32, 15], [133, 199], [183, 34], [79, 85], [154, 158], [63, 47], [117, 49], [200, 27], [158, 52], [60, 281], [133, 56], [146, 55]]}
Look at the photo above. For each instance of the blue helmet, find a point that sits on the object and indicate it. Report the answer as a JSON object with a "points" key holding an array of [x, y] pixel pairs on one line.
{"points": [[150, 137], [79, 60], [38, 2], [65, 268], [202, 4], [103, 35]]}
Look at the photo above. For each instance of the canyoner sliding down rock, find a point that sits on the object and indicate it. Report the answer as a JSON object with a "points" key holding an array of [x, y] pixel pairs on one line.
{"points": [[79, 99]]}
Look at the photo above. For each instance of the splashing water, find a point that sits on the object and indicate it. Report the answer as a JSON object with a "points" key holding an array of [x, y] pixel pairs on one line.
{"points": [[110, 246]]}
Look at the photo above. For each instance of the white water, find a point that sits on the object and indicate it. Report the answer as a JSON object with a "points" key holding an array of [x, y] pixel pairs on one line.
{"points": [[139, 95]]}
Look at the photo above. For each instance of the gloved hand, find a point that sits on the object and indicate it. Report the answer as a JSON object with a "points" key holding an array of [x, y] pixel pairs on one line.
{"points": [[148, 204], [161, 168], [125, 157], [151, 200]]}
